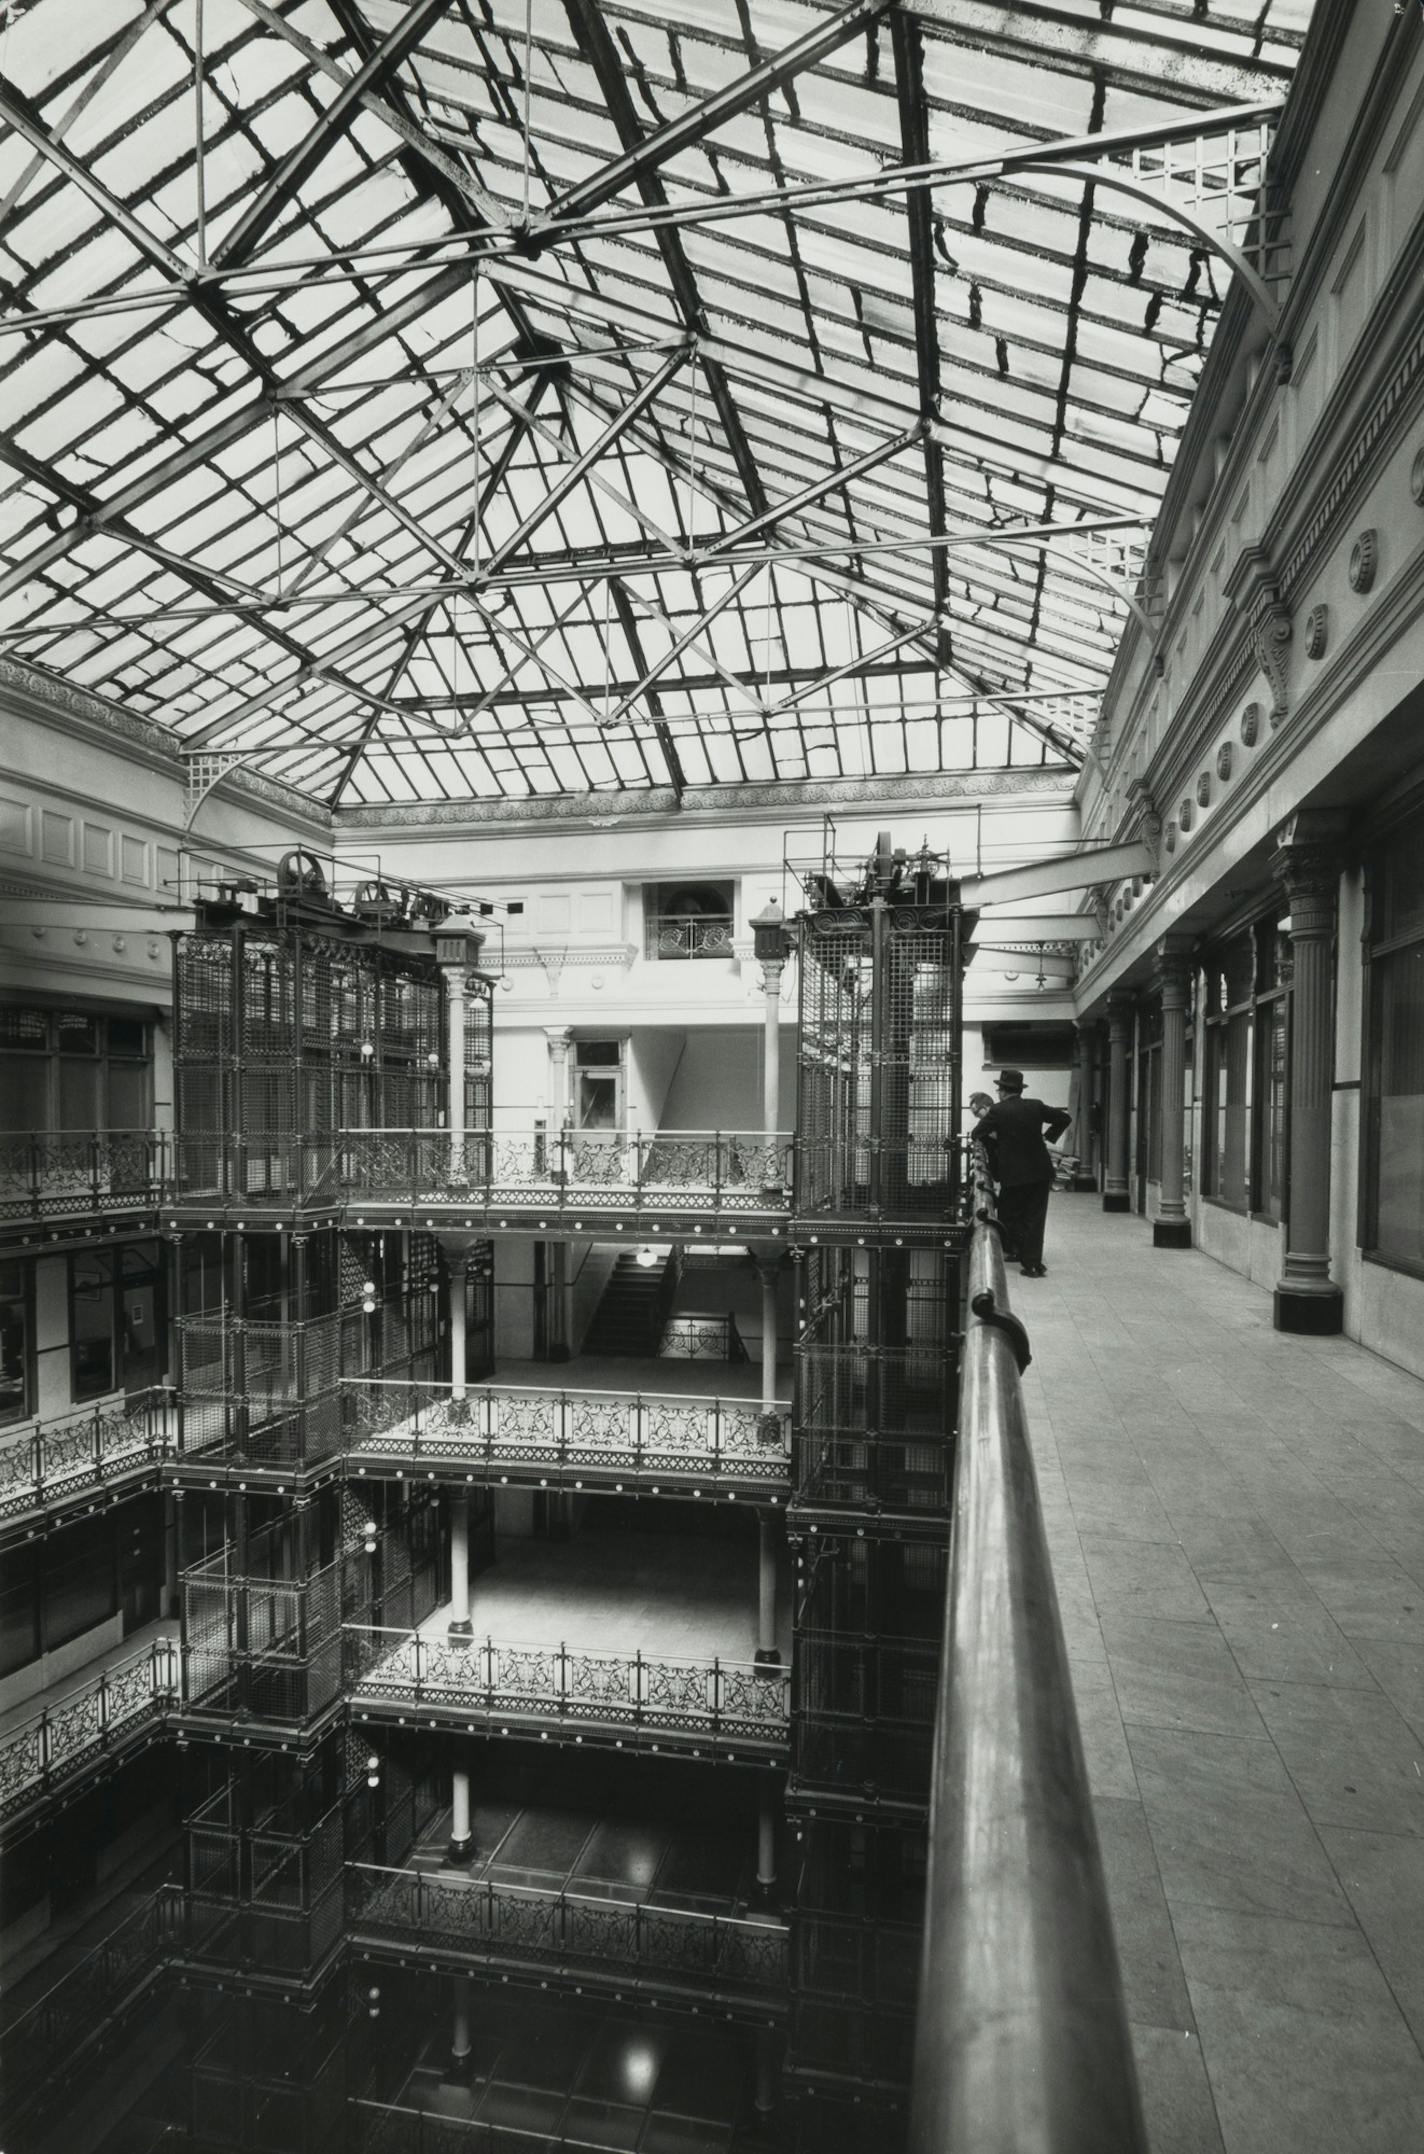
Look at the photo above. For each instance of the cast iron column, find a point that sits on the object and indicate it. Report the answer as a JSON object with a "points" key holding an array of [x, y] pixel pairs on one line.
{"points": [[772, 943], [1116, 1196], [1307, 862], [1172, 1229], [767, 1269], [1083, 1136], [456, 954], [768, 1652], [462, 1839]]}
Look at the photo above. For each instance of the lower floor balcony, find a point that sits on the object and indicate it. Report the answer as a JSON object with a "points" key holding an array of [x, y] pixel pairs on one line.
{"points": [[639, 1640], [54, 1465], [587, 1435], [88, 1719], [576, 1893]]}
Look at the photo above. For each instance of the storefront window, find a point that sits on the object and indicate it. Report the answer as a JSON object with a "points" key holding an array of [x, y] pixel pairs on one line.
{"points": [[114, 1319], [1244, 1072], [1394, 1080]]}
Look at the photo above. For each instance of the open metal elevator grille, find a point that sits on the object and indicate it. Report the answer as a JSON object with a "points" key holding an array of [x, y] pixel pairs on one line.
{"points": [[266, 1386], [285, 1038], [877, 1373], [879, 1089]]}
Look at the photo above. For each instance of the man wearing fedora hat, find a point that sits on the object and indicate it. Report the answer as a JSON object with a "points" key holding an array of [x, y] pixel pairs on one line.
{"points": [[1013, 1133]]}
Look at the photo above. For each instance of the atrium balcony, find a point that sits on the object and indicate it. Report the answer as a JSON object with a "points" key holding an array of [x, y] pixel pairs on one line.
{"points": [[50, 1466], [52, 1181], [535, 1178], [78, 1728], [625, 1639], [574, 1437]]}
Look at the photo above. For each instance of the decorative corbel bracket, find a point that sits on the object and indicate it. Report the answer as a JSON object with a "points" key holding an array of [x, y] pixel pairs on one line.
{"points": [[1254, 590]]}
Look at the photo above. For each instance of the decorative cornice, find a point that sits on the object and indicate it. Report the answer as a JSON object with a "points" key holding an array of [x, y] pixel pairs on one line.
{"points": [[612, 953], [712, 800], [50, 696]]}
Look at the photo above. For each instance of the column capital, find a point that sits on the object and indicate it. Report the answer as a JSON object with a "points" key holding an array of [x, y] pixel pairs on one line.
{"points": [[560, 1038], [458, 949], [771, 937], [1307, 862], [1173, 970]]}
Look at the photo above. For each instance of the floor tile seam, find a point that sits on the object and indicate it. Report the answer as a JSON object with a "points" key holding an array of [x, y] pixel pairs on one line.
{"points": [[1416, 2035]]}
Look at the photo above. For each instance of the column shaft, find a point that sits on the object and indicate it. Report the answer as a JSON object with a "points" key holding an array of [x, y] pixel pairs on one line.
{"points": [[458, 1278], [455, 1095], [1116, 1196], [768, 1653], [766, 1841], [1172, 1229], [462, 1839], [1083, 1134], [461, 1627], [1307, 1299]]}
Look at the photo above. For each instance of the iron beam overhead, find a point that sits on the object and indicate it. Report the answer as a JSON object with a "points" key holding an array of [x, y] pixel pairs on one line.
{"points": [[570, 477], [281, 189], [1000, 928], [1070, 871], [704, 118], [597, 47], [1055, 38], [914, 141], [628, 622]]}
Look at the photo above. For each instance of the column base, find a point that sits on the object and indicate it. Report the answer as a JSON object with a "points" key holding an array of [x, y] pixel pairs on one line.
{"points": [[1117, 1200], [767, 1656], [459, 1852], [1082, 1184], [763, 1894], [1171, 1234], [1316, 1313], [462, 1633]]}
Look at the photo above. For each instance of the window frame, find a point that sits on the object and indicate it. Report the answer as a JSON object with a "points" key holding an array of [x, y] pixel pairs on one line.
{"points": [[1377, 950], [1264, 988], [57, 1059]]}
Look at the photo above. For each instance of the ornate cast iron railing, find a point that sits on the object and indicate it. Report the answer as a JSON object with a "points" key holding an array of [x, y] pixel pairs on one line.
{"points": [[702, 1338], [479, 1918], [715, 1699], [1021, 2037], [57, 1460], [98, 1716], [715, 1171], [107, 1983], [63, 1174], [645, 1436], [686, 934]]}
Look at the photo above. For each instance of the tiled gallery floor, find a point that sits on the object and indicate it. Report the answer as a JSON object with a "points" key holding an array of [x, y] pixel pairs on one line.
{"points": [[1237, 1525]]}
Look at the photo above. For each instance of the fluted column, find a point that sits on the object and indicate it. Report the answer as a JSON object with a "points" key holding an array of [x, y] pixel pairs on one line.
{"points": [[560, 1038], [1116, 1195], [1172, 1229], [1083, 1137], [1307, 863]]}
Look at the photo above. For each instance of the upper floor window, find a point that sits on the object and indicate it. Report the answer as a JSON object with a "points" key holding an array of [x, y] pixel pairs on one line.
{"points": [[688, 919], [1394, 1066], [67, 1070], [16, 1381]]}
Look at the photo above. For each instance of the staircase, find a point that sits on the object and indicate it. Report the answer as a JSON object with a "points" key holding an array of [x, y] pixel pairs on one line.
{"points": [[629, 1317]]}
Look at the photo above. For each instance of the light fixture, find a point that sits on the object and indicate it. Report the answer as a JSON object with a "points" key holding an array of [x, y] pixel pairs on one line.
{"points": [[373, 2003], [373, 1777], [434, 1060], [647, 1257], [367, 1050]]}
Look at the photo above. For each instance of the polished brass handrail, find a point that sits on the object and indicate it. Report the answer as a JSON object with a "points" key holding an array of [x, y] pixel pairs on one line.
{"points": [[1022, 2043]]}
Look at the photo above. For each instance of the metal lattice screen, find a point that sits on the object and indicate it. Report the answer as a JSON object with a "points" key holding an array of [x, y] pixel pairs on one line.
{"points": [[879, 1071]]}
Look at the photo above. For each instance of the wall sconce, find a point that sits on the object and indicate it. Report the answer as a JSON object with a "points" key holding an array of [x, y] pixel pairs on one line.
{"points": [[647, 1257]]}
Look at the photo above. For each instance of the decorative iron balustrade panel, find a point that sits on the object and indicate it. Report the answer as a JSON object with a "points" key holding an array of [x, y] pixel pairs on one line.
{"points": [[22, 1763], [525, 1677], [688, 935], [19, 1474], [404, 1907], [54, 1177], [693, 1338], [602, 1687], [753, 1702], [679, 1694], [525, 1425]]}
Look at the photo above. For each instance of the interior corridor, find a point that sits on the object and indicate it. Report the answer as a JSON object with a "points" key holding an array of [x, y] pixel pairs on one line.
{"points": [[1236, 1519]]}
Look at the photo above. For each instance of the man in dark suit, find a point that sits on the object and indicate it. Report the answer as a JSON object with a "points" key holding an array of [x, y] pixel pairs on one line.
{"points": [[1013, 1133]]}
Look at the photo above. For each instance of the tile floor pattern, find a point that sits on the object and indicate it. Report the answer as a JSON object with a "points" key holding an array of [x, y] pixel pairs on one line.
{"points": [[607, 1590], [1237, 1527]]}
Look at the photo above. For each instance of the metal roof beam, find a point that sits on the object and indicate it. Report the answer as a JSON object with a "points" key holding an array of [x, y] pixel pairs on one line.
{"points": [[907, 40], [704, 118], [1139, 57], [628, 622], [280, 190], [598, 49]]}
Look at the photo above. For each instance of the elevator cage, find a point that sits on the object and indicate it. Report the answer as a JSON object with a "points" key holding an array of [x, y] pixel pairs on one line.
{"points": [[286, 1035], [877, 1368], [880, 1065], [260, 1376]]}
